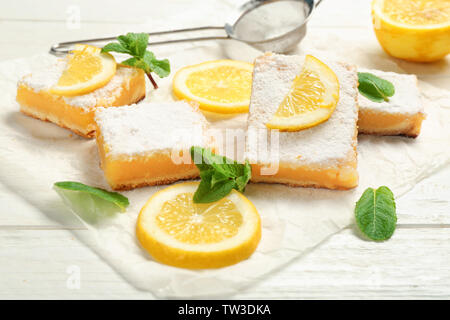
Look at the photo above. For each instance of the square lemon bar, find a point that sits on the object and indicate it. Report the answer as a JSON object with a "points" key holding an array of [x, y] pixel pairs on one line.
{"points": [[401, 115], [148, 144], [323, 156], [76, 113]]}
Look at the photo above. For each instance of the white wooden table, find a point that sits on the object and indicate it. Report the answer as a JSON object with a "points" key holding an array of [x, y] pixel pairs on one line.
{"points": [[36, 254]]}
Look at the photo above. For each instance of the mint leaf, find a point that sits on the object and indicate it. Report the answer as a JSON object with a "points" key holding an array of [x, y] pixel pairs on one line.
{"points": [[124, 41], [219, 175], [207, 193], [375, 213], [139, 42], [375, 88], [197, 154], [243, 179], [136, 63], [135, 44], [160, 67], [114, 197]]}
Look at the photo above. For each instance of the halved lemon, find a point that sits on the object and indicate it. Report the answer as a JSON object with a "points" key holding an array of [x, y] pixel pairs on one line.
{"points": [[178, 232], [311, 100], [87, 69], [221, 86], [414, 30]]}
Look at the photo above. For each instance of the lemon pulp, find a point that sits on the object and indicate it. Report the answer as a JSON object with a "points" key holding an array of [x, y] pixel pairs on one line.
{"points": [[82, 67], [222, 84], [306, 95], [311, 99], [417, 12]]}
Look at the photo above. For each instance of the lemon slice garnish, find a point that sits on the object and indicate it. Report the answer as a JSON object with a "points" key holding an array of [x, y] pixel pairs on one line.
{"points": [[310, 101], [87, 69], [178, 232], [221, 86]]}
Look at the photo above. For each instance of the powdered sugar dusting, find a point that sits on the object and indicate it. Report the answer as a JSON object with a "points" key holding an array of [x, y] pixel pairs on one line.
{"points": [[328, 143], [48, 74], [44, 75], [151, 127], [406, 100]]}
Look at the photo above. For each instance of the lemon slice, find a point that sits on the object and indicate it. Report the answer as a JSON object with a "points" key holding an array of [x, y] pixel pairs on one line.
{"points": [[311, 100], [415, 30], [87, 69], [221, 86], [178, 232]]}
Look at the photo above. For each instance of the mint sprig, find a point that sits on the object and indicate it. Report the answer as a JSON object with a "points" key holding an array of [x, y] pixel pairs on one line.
{"points": [[219, 175], [375, 213], [135, 44], [375, 88]]}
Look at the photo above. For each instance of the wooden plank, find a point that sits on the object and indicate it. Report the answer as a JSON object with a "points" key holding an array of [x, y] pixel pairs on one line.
{"points": [[428, 202], [415, 263], [329, 13]]}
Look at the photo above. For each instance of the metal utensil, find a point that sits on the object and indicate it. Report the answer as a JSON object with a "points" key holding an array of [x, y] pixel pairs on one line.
{"points": [[267, 25]]}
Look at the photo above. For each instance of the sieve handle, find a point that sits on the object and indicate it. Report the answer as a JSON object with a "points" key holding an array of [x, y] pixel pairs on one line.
{"points": [[63, 48]]}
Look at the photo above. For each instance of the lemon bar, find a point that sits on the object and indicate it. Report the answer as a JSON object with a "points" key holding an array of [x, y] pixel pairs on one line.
{"points": [[148, 144], [401, 115], [323, 156], [76, 113]]}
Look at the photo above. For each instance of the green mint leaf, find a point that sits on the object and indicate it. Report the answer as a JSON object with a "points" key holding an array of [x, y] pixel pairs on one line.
{"points": [[375, 88], [139, 43], [206, 193], [375, 213], [136, 43], [115, 47], [124, 41], [243, 179], [160, 67], [136, 63], [114, 197], [197, 154], [219, 175]]}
